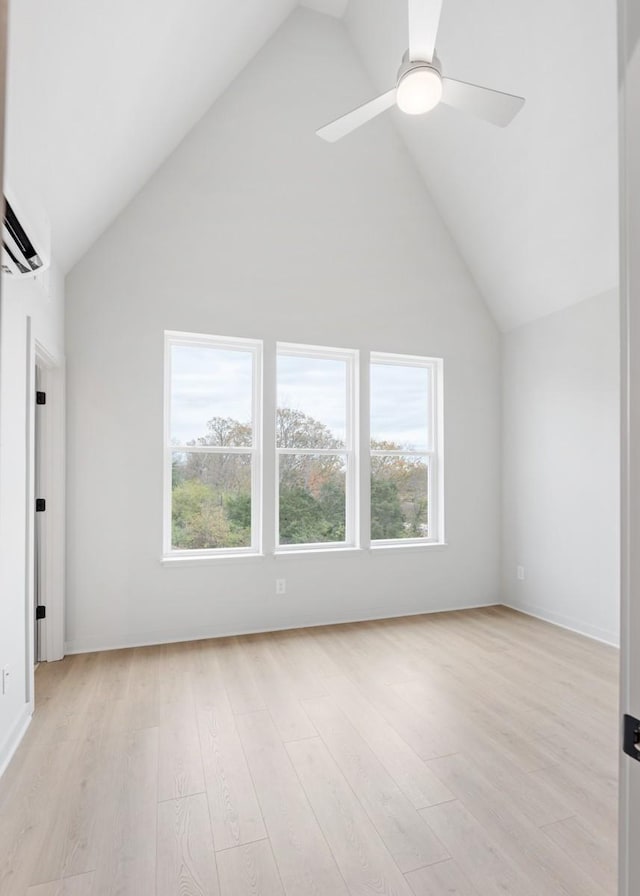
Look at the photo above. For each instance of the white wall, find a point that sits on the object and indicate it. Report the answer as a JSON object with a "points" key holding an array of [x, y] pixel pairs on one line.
{"points": [[255, 227], [27, 315], [561, 467]]}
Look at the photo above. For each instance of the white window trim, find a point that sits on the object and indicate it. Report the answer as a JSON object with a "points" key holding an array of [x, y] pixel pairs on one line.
{"points": [[357, 466], [253, 346], [350, 452], [433, 452]]}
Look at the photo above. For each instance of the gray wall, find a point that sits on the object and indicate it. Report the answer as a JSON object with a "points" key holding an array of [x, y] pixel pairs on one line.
{"points": [[27, 314], [561, 467], [255, 227]]}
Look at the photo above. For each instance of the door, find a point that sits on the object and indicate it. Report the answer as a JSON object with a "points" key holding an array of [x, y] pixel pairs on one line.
{"points": [[629, 54], [38, 528]]}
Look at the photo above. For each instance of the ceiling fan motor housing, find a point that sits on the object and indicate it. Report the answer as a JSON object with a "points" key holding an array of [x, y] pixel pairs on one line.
{"points": [[419, 87], [408, 64]]}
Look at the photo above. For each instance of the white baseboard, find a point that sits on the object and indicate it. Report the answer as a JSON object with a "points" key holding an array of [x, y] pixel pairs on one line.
{"points": [[13, 739], [572, 625], [90, 645]]}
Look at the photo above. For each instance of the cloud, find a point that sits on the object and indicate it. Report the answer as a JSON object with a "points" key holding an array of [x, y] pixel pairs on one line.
{"points": [[400, 405], [213, 382], [206, 383], [317, 387]]}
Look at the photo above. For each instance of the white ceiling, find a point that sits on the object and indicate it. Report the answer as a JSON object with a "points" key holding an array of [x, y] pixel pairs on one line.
{"points": [[533, 207], [101, 92], [335, 8]]}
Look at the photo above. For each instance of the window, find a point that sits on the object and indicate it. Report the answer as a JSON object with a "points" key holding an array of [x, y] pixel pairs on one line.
{"points": [[315, 447], [213, 461], [212, 447], [404, 449]]}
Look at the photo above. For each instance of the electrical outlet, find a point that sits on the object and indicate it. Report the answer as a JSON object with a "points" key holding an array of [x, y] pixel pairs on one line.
{"points": [[281, 586], [520, 573], [6, 674]]}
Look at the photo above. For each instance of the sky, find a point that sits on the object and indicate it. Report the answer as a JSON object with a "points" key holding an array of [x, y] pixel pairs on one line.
{"points": [[213, 382], [206, 383], [317, 387], [400, 405]]}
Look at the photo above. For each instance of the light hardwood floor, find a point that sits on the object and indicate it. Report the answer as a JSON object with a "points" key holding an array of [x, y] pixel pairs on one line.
{"points": [[470, 753]]}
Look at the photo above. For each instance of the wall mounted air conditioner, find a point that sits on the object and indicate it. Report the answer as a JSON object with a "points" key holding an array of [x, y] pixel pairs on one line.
{"points": [[24, 247]]}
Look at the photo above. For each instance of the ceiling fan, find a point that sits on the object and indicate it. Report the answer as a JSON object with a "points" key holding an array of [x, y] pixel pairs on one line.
{"points": [[421, 86]]}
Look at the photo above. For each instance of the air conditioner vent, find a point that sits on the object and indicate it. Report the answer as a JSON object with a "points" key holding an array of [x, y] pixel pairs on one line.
{"points": [[19, 257]]}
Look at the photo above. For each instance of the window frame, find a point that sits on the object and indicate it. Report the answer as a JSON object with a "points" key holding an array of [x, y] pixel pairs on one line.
{"points": [[229, 343], [434, 452], [351, 451]]}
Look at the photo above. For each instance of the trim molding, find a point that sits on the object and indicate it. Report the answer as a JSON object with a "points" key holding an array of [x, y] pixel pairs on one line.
{"points": [[572, 625], [53, 471], [151, 639], [14, 738]]}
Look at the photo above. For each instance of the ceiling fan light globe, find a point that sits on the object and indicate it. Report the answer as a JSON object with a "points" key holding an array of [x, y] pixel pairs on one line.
{"points": [[419, 90]]}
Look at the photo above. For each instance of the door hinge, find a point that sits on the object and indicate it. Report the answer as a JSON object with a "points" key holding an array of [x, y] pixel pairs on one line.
{"points": [[41, 612], [631, 737], [41, 505], [41, 397]]}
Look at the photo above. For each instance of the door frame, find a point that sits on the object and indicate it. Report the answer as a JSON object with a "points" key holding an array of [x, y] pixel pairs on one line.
{"points": [[51, 432], [629, 130]]}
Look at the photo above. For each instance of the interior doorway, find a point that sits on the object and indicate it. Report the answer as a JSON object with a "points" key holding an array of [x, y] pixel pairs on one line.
{"points": [[38, 529], [48, 460]]}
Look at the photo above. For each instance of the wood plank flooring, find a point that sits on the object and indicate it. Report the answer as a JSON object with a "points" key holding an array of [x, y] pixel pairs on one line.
{"points": [[470, 753]]}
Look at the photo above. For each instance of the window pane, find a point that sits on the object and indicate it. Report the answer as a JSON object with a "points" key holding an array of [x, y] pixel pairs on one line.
{"points": [[399, 496], [312, 498], [210, 500], [400, 407], [312, 403], [211, 396]]}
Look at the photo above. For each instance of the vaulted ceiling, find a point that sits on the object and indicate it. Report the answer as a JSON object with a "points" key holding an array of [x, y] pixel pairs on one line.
{"points": [[533, 207], [101, 93]]}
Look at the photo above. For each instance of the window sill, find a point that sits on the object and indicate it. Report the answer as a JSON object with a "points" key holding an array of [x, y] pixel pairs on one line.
{"points": [[304, 552], [205, 560], [426, 546], [380, 549]]}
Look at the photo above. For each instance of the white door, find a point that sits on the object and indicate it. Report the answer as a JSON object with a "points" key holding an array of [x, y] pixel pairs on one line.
{"points": [[629, 48], [37, 527]]}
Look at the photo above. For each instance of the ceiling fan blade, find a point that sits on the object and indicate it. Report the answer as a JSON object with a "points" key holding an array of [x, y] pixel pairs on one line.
{"points": [[352, 120], [492, 105], [424, 18]]}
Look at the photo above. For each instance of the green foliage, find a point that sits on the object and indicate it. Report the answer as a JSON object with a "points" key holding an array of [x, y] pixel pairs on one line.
{"points": [[416, 512], [332, 502], [177, 473], [310, 471], [211, 505], [199, 519], [387, 519], [306, 519], [399, 503], [312, 497], [239, 510], [301, 520]]}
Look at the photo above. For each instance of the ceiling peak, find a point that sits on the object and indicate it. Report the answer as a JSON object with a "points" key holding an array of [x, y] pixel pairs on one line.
{"points": [[336, 8]]}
